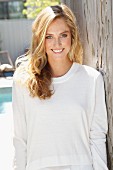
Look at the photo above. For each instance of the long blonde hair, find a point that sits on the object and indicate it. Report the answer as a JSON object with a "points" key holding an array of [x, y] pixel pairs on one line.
{"points": [[39, 80]]}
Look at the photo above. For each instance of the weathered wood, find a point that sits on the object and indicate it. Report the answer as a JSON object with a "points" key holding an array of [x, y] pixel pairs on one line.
{"points": [[95, 20]]}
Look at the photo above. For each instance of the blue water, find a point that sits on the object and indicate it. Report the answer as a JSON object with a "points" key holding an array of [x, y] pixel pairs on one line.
{"points": [[5, 100]]}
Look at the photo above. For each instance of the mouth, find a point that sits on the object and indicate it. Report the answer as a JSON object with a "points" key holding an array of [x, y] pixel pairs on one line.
{"points": [[57, 51]]}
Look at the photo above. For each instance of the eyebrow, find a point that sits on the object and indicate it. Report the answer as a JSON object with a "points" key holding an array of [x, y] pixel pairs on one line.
{"points": [[60, 33]]}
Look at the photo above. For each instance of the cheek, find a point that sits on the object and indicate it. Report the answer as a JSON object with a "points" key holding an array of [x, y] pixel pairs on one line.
{"points": [[68, 43], [47, 45]]}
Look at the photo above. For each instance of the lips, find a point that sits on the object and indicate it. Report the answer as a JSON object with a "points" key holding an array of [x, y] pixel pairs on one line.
{"points": [[57, 51]]}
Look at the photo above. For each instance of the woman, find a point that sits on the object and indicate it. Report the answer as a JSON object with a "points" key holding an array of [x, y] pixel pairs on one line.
{"points": [[60, 120]]}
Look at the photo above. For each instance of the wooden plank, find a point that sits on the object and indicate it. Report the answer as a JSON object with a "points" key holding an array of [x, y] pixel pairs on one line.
{"points": [[95, 20]]}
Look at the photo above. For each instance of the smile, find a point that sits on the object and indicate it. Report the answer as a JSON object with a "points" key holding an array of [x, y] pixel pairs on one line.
{"points": [[58, 51]]}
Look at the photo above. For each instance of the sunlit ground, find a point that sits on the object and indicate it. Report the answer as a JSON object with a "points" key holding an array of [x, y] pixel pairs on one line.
{"points": [[6, 136], [6, 145]]}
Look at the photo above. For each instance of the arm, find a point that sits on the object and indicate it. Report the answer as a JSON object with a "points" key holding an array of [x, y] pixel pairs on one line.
{"points": [[98, 129], [20, 135]]}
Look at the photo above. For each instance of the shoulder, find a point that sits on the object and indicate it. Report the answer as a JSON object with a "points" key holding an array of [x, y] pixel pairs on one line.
{"points": [[90, 71], [89, 74], [21, 74]]}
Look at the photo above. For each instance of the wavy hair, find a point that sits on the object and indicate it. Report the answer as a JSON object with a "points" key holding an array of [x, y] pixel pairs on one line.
{"points": [[39, 81]]}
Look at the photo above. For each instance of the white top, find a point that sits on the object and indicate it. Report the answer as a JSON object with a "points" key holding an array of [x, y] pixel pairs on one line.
{"points": [[67, 129], [69, 167]]}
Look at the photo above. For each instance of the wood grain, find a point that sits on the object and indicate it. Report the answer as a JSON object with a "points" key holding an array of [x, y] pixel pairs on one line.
{"points": [[95, 21]]}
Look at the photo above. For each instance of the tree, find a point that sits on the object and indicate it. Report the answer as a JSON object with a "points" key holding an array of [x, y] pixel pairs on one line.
{"points": [[33, 7], [96, 30]]}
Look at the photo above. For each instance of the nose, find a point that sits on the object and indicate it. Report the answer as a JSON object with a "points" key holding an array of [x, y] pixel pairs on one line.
{"points": [[57, 42]]}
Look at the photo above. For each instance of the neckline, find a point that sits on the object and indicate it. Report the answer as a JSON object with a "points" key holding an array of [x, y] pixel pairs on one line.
{"points": [[65, 76]]}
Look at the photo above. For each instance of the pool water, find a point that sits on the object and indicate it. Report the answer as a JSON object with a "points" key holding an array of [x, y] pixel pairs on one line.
{"points": [[5, 100]]}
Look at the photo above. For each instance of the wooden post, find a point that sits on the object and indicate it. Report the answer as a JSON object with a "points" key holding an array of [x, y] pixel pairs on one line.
{"points": [[95, 21]]}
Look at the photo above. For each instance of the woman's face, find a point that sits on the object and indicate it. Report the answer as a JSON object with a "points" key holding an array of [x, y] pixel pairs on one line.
{"points": [[58, 41]]}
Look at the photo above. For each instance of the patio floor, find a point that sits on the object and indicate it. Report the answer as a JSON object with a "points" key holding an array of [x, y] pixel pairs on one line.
{"points": [[5, 82], [6, 132]]}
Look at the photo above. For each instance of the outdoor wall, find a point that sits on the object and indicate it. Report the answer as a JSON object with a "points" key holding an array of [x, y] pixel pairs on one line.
{"points": [[95, 20], [15, 36]]}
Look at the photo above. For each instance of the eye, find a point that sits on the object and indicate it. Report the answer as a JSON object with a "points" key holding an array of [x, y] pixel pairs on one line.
{"points": [[63, 35], [49, 37]]}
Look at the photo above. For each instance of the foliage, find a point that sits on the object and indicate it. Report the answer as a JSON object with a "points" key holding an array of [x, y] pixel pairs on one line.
{"points": [[33, 7]]}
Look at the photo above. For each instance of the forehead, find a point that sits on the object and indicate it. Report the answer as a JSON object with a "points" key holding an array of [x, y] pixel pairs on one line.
{"points": [[58, 25]]}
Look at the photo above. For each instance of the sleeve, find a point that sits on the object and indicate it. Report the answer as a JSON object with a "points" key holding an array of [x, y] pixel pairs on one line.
{"points": [[20, 132], [99, 127]]}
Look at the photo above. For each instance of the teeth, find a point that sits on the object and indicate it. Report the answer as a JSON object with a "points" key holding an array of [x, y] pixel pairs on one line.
{"points": [[57, 51]]}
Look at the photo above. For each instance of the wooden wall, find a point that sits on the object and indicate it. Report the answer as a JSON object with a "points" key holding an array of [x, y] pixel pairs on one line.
{"points": [[95, 21]]}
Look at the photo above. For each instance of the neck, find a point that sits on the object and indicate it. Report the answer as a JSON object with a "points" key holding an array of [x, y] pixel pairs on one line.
{"points": [[60, 69]]}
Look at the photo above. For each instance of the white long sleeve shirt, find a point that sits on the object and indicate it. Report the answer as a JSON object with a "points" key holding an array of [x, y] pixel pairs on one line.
{"points": [[67, 129]]}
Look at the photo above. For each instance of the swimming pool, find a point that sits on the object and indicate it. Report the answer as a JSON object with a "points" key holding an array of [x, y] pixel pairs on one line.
{"points": [[5, 100]]}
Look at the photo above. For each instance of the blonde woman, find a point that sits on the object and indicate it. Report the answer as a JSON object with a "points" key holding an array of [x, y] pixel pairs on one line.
{"points": [[60, 120]]}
